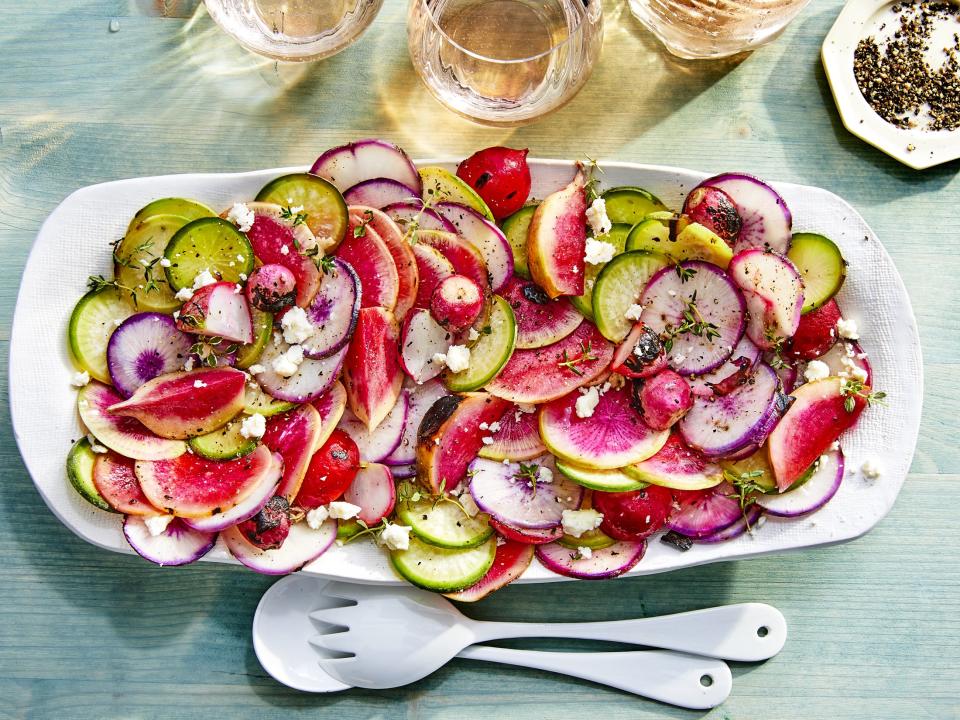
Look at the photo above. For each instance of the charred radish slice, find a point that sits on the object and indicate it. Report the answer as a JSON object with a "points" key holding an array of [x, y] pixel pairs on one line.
{"points": [[124, 435], [703, 292], [522, 495], [92, 322], [369, 256], [294, 436], [302, 546], [443, 569], [275, 242], [250, 353], [640, 355], [114, 479], [271, 288], [515, 230], [616, 237], [256, 400], [227, 443], [379, 192], [80, 461], [399, 249], [178, 544], [612, 437], [371, 372], [822, 485], [432, 268], [456, 303], [144, 346], [440, 185], [375, 446], [324, 210], [821, 265], [485, 237], [180, 207], [602, 480], [774, 294], [847, 359], [209, 244], [421, 398], [540, 320], [518, 437], [413, 215], [491, 352], [421, 339], [511, 560], [677, 467], [620, 285], [334, 310], [463, 256], [527, 536], [604, 563], [739, 367], [630, 205], [713, 209], [557, 238], [218, 310], [704, 512], [349, 164], [311, 380], [137, 257], [373, 491], [765, 219], [246, 508], [444, 524]]}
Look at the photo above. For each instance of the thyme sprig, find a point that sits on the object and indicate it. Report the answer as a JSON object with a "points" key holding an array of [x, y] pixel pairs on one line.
{"points": [[591, 169], [299, 218], [361, 229], [586, 355], [852, 389], [693, 323], [684, 273], [745, 490], [530, 473]]}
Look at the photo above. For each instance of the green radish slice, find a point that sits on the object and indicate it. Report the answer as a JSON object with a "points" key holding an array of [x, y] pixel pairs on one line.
{"points": [[248, 354], [189, 210], [136, 262], [208, 244], [515, 228], [491, 351], [593, 539], [257, 401], [80, 461], [440, 185], [650, 235], [677, 467], [630, 205], [821, 265], [620, 285], [321, 201], [224, 444], [93, 321], [443, 569], [602, 480], [443, 524], [618, 238]]}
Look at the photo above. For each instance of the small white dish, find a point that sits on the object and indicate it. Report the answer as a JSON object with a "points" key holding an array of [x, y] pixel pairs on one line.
{"points": [[914, 147]]}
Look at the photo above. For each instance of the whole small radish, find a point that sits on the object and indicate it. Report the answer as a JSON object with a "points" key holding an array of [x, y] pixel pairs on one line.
{"points": [[269, 527], [633, 515], [663, 399], [332, 469], [500, 176], [715, 210], [456, 302], [271, 288]]}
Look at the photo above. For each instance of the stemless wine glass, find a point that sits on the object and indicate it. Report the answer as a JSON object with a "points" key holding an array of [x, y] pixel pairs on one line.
{"points": [[504, 62], [294, 30]]}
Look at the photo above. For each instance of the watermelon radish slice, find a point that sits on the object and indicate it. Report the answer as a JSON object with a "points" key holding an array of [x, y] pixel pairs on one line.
{"points": [[527, 536], [178, 544], [613, 437], [765, 219], [540, 320], [812, 494], [144, 346], [557, 239], [678, 467], [463, 255], [374, 492], [728, 424], [115, 480], [370, 257], [295, 436], [246, 508], [421, 398], [192, 486], [608, 562], [412, 216], [421, 339], [843, 357], [485, 237], [273, 242], [705, 512], [537, 375], [377, 445], [748, 519], [500, 491], [701, 384], [379, 192], [773, 289], [602, 480], [510, 562], [717, 300], [124, 435], [432, 268], [312, 379], [517, 439], [218, 310], [371, 371], [303, 545], [333, 312], [349, 164], [403, 257]]}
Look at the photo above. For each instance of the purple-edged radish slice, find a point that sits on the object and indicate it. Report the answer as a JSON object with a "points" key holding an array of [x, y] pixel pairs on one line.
{"points": [[303, 545], [333, 311], [311, 380], [246, 508], [483, 235], [114, 478], [608, 562], [349, 164], [379, 193], [501, 491], [412, 216], [677, 467], [765, 219], [812, 494], [517, 437], [218, 310], [747, 520], [773, 289], [723, 426], [704, 512], [373, 263], [788, 375], [421, 398], [527, 536], [124, 435], [403, 472], [422, 338], [378, 444], [849, 358], [703, 385], [718, 302], [612, 437], [374, 492], [144, 346], [432, 268], [510, 562], [540, 320], [463, 255], [178, 544]]}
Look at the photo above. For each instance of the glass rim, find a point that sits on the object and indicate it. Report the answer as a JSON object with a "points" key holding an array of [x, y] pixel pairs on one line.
{"points": [[581, 19]]}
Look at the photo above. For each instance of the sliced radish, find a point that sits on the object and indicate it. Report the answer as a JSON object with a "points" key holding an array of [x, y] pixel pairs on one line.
{"points": [[670, 297], [403, 472], [370, 258], [420, 397], [788, 375], [178, 544], [485, 236], [379, 192], [603, 563], [811, 495], [540, 320], [371, 371], [701, 384], [274, 242], [510, 562], [116, 481], [218, 310], [246, 508], [312, 379], [456, 303], [144, 346], [462, 254], [399, 248], [349, 164], [773, 289], [303, 545], [748, 519], [847, 357], [527, 536], [413, 215], [500, 491], [374, 492], [421, 339], [765, 219], [333, 312], [678, 467], [378, 444], [295, 436], [518, 437], [704, 512], [432, 268]]}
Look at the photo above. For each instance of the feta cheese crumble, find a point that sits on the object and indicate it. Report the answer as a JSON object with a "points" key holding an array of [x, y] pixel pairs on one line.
{"points": [[296, 326], [634, 312], [584, 553], [848, 329], [395, 537], [165, 263], [184, 294], [587, 403], [203, 279], [157, 524], [816, 370], [598, 252], [199, 384], [598, 218], [458, 358], [256, 369], [241, 216], [544, 475], [343, 510], [473, 335], [578, 522], [487, 440], [284, 250], [254, 426], [316, 517], [870, 469], [288, 363], [80, 379]]}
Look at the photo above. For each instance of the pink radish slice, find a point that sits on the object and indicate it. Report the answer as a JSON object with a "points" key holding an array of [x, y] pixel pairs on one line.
{"points": [[700, 384], [844, 356], [399, 248], [498, 491], [421, 339], [374, 492], [705, 512], [528, 536], [510, 562], [303, 545], [765, 219], [403, 472], [370, 258], [246, 508], [295, 436], [462, 254], [432, 268], [144, 346], [421, 398], [218, 310], [178, 544], [349, 164], [747, 520], [718, 301], [788, 376], [746, 452], [378, 193], [333, 311], [540, 320], [727, 424], [412, 215], [608, 562], [773, 289], [483, 235], [274, 242], [811, 495], [376, 445], [312, 379], [517, 439], [117, 483]]}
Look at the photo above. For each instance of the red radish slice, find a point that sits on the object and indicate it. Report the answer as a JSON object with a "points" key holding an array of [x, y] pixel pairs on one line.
{"points": [[538, 375], [333, 312], [527, 536], [178, 544], [509, 563], [312, 379], [401, 252], [717, 300], [218, 310], [677, 467], [557, 239], [788, 375], [331, 406], [811, 495], [403, 472], [540, 320], [144, 346], [773, 289], [379, 192], [412, 215], [303, 545], [500, 492], [246, 508], [640, 355], [374, 492], [715, 210], [274, 243], [432, 268], [295, 436], [747, 520], [125, 435], [421, 398], [349, 164], [456, 303], [192, 486], [701, 384], [371, 371], [375, 446], [463, 255], [115, 480], [727, 424], [483, 235], [765, 219], [846, 356], [608, 562], [422, 338], [816, 333], [517, 439], [614, 436], [370, 257], [705, 512]]}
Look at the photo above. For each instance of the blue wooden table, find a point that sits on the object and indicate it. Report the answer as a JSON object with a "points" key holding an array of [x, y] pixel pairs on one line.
{"points": [[86, 634]]}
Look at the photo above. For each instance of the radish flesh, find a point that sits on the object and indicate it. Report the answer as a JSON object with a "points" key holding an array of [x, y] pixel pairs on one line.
{"points": [[302, 546], [374, 492], [333, 312], [378, 444], [483, 235], [420, 398], [378, 193], [347, 165], [603, 563], [765, 219], [501, 492], [812, 495], [246, 508], [178, 544], [705, 512], [144, 346]]}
